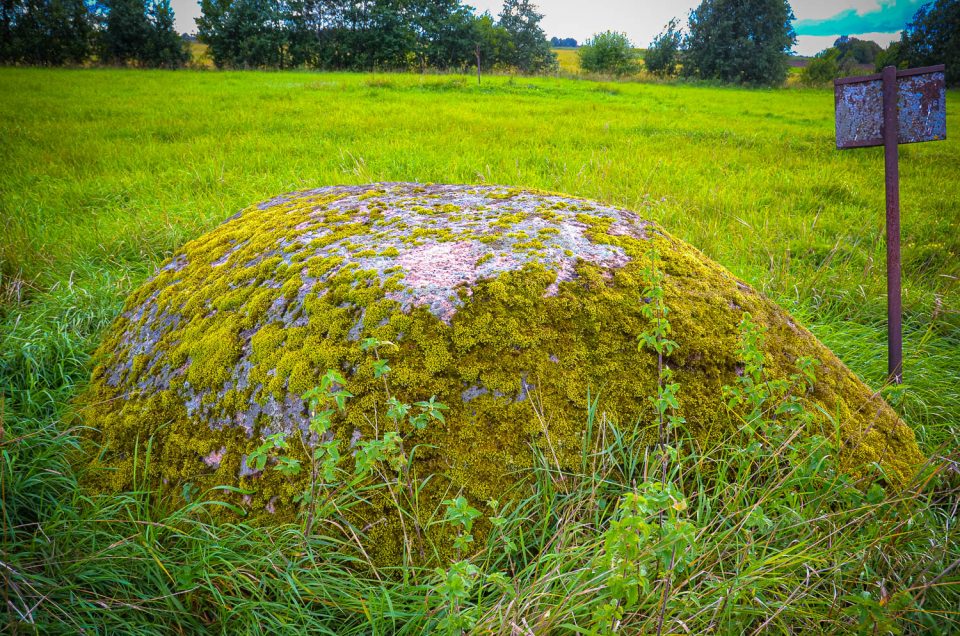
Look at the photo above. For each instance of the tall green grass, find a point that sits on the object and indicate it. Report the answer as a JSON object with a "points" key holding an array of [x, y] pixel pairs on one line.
{"points": [[775, 540], [104, 173]]}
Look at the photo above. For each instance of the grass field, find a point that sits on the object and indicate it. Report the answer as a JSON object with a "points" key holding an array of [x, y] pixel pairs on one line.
{"points": [[568, 59], [104, 173]]}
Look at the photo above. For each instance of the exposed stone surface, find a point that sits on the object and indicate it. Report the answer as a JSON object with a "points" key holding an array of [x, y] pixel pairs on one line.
{"points": [[505, 304]]}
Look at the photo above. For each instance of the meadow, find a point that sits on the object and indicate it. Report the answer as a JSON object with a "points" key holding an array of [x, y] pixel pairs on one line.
{"points": [[106, 172]]}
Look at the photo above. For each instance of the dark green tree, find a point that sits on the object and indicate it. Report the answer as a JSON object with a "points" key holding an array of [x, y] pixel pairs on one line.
{"points": [[932, 37], [492, 41], [243, 33], [45, 32], [357, 34], [127, 32], [663, 55], [7, 21], [891, 56], [844, 58], [447, 35], [165, 48], [301, 32], [853, 51], [608, 52], [742, 41], [530, 50], [141, 32]]}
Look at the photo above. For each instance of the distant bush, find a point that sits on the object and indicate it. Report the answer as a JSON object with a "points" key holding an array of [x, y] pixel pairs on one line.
{"points": [[609, 52], [854, 51], [663, 56], [822, 68], [840, 60]]}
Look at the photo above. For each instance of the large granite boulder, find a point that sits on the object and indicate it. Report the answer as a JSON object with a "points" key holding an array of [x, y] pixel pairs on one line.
{"points": [[506, 304]]}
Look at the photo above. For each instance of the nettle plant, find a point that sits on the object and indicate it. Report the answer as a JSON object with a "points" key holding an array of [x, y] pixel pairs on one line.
{"points": [[455, 584], [647, 539], [768, 403], [384, 456], [648, 536], [780, 441]]}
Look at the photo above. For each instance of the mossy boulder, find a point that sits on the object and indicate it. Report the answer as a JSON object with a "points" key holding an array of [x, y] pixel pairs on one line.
{"points": [[508, 305]]}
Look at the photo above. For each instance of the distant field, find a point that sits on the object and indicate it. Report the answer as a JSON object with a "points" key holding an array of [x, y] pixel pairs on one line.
{"points": [[199, 55], [568, 59]]}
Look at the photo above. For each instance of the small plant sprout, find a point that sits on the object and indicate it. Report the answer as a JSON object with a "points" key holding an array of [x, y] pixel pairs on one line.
{"points": [[762, 404], [499, 523], [646, 531], [454, 586], [657, 340], [325, 453], [429, 410], [461, 515], [257, 459]]}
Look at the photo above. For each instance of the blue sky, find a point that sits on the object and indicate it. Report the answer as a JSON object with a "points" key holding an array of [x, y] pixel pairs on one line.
{"points": [[819, 22]]}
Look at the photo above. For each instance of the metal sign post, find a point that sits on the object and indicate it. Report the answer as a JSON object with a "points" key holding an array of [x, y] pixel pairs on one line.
{"points": [[888, 109]]}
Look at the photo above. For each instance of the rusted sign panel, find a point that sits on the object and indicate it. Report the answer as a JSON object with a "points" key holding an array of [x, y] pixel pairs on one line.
{"points": [[921, 106]]}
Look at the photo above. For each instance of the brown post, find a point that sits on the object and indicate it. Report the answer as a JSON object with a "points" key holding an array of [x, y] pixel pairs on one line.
{"points": [[892, 172]]}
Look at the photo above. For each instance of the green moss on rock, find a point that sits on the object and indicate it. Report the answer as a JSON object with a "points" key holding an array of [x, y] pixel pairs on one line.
{"points": [[214, 352]]}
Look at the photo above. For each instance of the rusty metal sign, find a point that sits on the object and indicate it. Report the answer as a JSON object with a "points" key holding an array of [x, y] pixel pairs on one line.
{"points": [[891, 108], [921, 108]]}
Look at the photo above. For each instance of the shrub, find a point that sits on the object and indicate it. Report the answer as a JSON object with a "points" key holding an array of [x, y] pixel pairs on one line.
{"points": [[822, 69], [609, 52]]}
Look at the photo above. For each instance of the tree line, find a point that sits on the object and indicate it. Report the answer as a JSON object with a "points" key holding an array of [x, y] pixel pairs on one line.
{"points": [[748, 41], [320, 34], [736, 41], [742, 41], [62, 32]]}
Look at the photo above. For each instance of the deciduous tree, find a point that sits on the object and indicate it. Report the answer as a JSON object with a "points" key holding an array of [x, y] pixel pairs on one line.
{"points": [[45, 32], [530, 51], [932, 37], [663, 55], [743, 41], [243, 33]]}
